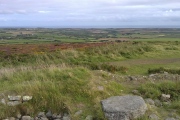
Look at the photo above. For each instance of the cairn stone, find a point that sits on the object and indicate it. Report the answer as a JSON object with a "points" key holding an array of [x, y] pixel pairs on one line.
{"points": [[149, 101], [14, 98], [13, 103], [126, 107], [26, 118], [153, 117], [26, 98], [165, 97]]}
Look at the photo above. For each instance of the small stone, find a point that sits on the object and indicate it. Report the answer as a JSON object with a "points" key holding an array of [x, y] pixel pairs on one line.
{"points": [[157, 103], [165, 97], [26, 98], [26, 118], [89, 117], [177, 117], [153, 117], [100, 88], [13, 103], [3, 101], [49, 114], [149, 101], [18, 116], [14, 98], [66, 117], [41, 114], [44, 118], [59, 116], [11, 118], [78, 113], [126, 107]]}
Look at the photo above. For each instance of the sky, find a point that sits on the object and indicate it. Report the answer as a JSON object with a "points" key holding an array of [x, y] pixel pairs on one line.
{"points": [[89, 13]]}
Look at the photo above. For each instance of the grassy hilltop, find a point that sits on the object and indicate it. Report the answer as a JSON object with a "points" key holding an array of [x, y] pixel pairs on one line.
{"points": [[69, 79]]}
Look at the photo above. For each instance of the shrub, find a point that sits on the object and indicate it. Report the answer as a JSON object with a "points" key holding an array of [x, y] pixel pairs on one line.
{"points": [[151, 90]]}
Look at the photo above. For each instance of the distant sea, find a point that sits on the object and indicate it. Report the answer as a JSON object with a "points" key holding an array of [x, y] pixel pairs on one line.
{"points": [[130, 26]]}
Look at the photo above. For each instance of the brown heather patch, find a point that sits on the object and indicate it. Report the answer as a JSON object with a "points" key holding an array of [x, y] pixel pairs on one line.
{"points": [[35, 48]]}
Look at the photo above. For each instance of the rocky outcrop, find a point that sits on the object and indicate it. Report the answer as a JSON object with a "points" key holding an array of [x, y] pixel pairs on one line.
{"points": [[123, 107], [13, 100]]}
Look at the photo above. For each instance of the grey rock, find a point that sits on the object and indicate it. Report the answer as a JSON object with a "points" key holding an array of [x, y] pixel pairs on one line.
{"points": [[123, 107], [49, 114], [89, 117], [26, 98], [18, 116], [149, 101], [13, 103], [11, 118], [26, 118], [177, 117], [165, 97], [66, 117], [132, 78], [100, 88], [56, 116], [14, 98], [41, 114], [153, 117], [3, 101], [170, 119], [78, 113], [157, 103], [43, 118]]}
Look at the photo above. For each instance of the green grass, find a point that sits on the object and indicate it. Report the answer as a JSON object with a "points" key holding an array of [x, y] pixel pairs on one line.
{"points": [[69, 80]]}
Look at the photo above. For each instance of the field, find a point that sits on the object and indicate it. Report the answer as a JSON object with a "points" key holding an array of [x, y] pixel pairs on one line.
{"points": [[67, 70]]}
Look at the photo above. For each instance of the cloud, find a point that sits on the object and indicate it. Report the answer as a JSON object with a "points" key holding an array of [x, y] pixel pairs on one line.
{"points": [[91, 11]]}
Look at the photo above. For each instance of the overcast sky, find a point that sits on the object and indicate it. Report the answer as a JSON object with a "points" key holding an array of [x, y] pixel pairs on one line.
{"points": [[100, 13]]}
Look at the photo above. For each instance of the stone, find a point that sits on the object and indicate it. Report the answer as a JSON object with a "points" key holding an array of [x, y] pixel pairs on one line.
{"points": [[126, 107], [89, 117], [41, 114], [149, 101], [157, 103], [13, 103], [165, 97], [18, 116], [78, 113], [153, 117], [3, 101], [26, 118], [43, 118], [131, 78], [100, 88], [49, 114], [66, 117], [26, 98], [14, 98], [11, 118]]}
